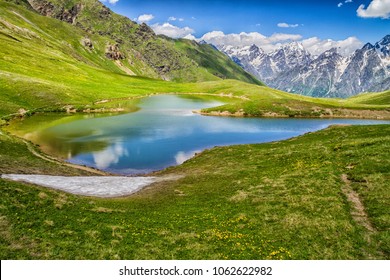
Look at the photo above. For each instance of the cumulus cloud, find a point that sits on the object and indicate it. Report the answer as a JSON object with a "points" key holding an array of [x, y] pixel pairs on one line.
{"points": [[145, 18], [113, 2], [314, 45], [286, 25], [345, 47], [245, 39], [172, 31], [376, 9], [340, 4]]}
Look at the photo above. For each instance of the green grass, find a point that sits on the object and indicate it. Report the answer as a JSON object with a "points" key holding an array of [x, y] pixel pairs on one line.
{"points": [[280, 200], [378, 98]]}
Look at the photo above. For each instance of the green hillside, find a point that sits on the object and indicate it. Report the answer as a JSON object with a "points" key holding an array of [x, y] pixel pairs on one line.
{"points": [[135, 47], [376, 98], [214, 61]]}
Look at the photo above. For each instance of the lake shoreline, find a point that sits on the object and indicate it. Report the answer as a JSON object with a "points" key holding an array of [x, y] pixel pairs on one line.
{"points": [[355, 114]]}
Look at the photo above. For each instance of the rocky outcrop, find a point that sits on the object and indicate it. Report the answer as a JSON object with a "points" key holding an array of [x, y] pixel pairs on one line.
{"points": [[113, 52], [87, 43], [104, 12], [70, 16], [47, 8]]}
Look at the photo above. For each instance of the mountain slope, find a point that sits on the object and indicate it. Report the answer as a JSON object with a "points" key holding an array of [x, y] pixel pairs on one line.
{"points": [[135, 47], [214, 61]]}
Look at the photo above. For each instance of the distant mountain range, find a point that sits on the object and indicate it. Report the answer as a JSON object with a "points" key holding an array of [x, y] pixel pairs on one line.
{"points": [[292, 68]]}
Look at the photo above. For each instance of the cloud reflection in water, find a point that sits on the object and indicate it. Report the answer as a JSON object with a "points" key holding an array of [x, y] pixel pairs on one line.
{"points": [[181, 156], [109, 156]]}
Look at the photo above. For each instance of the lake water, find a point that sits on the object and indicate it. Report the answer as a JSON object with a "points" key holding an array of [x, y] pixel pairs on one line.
{"points": [[164, 132]]}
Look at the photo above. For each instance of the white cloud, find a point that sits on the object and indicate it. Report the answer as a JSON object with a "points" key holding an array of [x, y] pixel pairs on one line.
{"points": [[345, 47], [145, 18], [172, 30], [286, 25], [376, 9], [174, 19], [346, 2], [113, 2], [314, 45], [245, 39]]}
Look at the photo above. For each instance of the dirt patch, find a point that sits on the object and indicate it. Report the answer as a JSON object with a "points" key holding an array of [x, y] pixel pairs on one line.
{"points": [[358, 211]]}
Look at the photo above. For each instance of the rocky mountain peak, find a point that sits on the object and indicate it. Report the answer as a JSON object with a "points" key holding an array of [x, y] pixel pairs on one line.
{"points": [[367, 47], [292, 68], [254, 48], [331, 53], [383, 46], [385, 41], [295, 46]]}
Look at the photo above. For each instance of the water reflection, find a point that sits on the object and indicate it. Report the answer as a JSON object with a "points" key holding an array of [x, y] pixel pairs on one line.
{"points": [[182, 156], [110, 156]]}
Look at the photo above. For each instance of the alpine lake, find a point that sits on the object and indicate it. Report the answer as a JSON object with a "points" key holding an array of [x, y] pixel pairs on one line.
{"points": [[163, 132]]}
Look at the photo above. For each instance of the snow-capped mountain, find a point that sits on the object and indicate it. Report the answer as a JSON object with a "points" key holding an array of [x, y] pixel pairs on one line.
{"points": [[315, 78], [267, 66], [294, 69]]}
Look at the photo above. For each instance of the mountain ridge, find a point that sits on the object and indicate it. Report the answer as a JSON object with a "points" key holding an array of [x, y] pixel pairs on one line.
{"points": [[293, 69]]}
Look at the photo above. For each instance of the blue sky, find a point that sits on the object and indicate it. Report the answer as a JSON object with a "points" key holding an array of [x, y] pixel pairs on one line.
{"points": [[347, 24]]}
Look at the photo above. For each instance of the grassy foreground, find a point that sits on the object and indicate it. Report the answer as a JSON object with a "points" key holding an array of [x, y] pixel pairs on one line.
{"points": [[281, 200]]}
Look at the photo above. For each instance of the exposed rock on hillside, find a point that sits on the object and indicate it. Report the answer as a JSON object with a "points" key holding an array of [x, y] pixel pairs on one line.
{"points": [[113, 52]]}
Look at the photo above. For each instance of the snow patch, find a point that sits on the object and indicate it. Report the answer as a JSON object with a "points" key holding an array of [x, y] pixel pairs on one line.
{"points": [[98, 186]]}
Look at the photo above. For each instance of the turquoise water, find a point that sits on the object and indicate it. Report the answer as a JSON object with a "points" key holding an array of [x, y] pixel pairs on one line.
{"points": [[164, 132]]}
